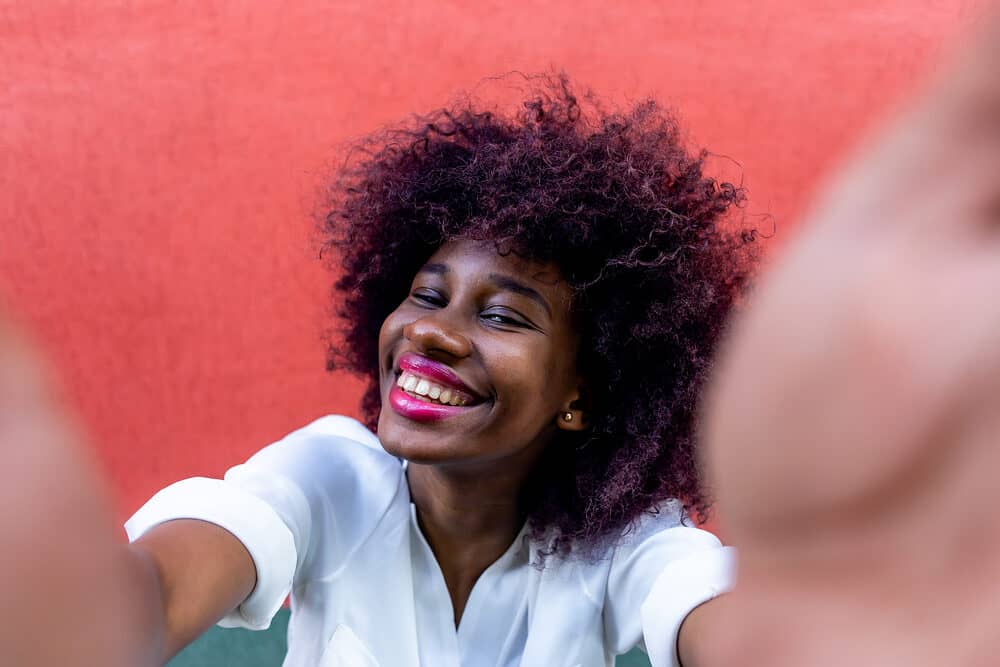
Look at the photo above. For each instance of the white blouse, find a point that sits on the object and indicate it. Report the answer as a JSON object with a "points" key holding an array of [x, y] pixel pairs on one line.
{"points": [[326, 516]]}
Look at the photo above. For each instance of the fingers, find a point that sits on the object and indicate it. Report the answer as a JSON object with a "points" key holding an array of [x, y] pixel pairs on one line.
{"points": [[969, 90], [962, 123], [21, 375], [877, 323], [65, 599], [936, 168]]}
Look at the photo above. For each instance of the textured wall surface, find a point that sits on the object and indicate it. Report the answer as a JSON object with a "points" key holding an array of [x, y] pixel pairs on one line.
{"points": [[159, 163]]}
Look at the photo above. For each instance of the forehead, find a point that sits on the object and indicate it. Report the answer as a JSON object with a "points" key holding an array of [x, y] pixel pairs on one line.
{"points": [[479, 260]]}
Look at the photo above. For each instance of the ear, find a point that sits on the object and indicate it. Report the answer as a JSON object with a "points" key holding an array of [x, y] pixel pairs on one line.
{"points": [[574, 415]]}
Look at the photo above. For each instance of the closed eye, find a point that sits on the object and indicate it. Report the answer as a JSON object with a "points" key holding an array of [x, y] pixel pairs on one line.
{"points": [[429, 297], [501, 319], [507, 318]]}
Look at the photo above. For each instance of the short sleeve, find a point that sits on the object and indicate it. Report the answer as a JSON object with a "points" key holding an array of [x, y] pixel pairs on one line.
{"points": [[661, 571], [302, 504]]}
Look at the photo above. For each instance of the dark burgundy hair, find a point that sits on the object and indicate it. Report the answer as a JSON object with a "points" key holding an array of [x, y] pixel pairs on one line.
{"points": [[637, 229]]}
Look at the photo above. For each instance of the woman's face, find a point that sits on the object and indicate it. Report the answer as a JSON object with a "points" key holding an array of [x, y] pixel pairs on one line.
{"points": [[485, 349]]}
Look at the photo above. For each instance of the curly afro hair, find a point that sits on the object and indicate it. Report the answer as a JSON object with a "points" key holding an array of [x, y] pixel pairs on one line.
{"points": [[638, 231]]}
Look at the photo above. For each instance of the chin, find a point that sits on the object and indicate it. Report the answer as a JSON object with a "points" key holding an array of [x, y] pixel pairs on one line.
{"points": [[411, 445]]}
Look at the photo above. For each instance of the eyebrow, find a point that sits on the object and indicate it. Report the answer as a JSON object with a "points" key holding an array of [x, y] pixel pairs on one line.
{"points": [[438, 269], [511, 285], [501, 281]]}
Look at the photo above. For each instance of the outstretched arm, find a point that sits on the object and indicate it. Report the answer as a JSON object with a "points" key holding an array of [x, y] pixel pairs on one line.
{"points": [[69, 589], [852, 430], [73, 595]]}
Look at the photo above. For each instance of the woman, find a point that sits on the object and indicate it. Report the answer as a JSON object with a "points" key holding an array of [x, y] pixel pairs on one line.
{"points": [[534, 301], [909, 579]]}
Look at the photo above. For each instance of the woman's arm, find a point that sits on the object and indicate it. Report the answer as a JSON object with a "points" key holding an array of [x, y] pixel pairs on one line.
{"points": [[202, 573], [697, 631], [852, 431], [73, 594]]}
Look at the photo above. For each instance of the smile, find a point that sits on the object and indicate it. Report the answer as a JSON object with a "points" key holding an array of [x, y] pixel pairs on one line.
{"points": [[424, 388], [427, 390]]}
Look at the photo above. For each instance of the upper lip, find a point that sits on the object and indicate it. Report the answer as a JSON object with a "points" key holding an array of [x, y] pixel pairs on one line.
{"points": [[435, 371]]}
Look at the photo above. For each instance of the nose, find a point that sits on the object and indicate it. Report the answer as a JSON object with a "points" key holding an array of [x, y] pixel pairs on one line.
{"points": [[435, 333]]}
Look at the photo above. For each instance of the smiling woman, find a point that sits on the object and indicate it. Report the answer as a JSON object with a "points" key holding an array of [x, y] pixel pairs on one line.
{"points": [[471, 317], [534, 300], [851, 429], [606, 213]]}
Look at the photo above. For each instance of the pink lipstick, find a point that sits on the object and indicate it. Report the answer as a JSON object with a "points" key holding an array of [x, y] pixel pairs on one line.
{"points": [[419, 410], [424, 407], [434, 371]]}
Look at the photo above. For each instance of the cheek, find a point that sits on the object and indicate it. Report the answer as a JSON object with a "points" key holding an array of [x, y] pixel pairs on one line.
{"points": [[533, 379], [389, 332], [388, 335]]}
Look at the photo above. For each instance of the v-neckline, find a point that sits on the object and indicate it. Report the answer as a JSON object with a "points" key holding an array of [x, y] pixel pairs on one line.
{"points": [[512, 550]]}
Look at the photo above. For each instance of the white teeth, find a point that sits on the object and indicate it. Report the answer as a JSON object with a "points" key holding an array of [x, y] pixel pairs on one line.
{"points": [[422, 387]]}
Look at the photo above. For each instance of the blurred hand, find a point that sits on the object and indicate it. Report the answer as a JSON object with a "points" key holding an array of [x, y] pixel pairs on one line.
{"points": [[67, 592], [853, 430]]}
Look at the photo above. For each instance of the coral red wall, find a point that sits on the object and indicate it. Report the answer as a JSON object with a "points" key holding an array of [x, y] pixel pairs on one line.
{"points": [[159, 163]]}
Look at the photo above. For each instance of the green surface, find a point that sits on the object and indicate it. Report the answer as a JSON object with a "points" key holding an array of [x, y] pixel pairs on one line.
{"points": [[235, 647], [222, 647], [634, 658]]}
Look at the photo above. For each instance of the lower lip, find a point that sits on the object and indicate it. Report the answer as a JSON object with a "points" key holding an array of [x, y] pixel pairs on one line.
{"points": [[421, 411]]}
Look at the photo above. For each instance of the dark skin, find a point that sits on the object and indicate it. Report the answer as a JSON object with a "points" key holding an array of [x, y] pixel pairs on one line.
{"points": [[505, 326], [825, 585]]}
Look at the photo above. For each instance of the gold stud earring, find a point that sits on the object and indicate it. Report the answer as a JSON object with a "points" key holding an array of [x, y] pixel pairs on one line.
{"points": [[567, 416]]}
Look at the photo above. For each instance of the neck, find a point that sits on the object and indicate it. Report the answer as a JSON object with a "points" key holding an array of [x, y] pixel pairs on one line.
{"points": [[468, 521], [464, 510]]}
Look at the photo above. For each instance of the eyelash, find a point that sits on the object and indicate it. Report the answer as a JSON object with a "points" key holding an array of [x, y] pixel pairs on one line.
{"points": [[436, 301], [432, 299]]}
